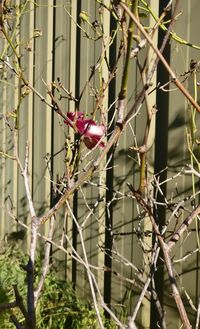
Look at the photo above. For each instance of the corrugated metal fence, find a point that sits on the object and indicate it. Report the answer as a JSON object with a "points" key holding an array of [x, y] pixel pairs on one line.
{"points": [[52, 46]]}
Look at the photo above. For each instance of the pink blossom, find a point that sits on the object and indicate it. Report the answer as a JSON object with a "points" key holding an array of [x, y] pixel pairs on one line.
{"points": [[89, 129], [71, 116]]}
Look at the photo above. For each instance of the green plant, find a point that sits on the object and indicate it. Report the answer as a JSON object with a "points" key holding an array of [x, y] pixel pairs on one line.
{"points": [[11, 274], [58, 306]]}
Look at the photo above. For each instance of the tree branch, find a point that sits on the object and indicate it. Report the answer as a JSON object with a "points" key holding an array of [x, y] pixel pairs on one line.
{"points": [[162, 59]]}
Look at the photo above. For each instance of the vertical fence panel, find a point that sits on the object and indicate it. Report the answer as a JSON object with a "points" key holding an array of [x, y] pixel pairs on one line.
{"points": [[61, 70], [3, 134], [180, 112], [9, 103], [42, 114]]}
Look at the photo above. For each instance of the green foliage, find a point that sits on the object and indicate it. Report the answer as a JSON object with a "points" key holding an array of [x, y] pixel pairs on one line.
{"points": [[58, 306], [10, 274]]}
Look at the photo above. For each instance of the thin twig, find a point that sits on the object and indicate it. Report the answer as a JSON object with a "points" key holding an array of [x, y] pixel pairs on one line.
{"points": [[197, 325]]}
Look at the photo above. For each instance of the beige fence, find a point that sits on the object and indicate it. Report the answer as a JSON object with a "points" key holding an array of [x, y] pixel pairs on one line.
{"points": [[52, 46]]}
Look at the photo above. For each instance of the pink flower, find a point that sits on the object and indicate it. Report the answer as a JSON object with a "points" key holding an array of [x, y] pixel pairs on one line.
{"points": [[89, 129]]}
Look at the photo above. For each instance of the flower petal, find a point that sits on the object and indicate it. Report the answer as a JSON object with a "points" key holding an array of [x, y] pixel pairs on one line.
{"points": [[89, 129], [96, 130], [71, 116], [92, 142]]}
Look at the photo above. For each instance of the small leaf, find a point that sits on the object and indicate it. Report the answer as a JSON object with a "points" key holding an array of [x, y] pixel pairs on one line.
{"points": [[84, 16]]}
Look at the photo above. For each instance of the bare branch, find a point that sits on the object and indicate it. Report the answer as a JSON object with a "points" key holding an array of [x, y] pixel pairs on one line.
{"points": [[45, 266], [183, 227], [162, 59]]}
